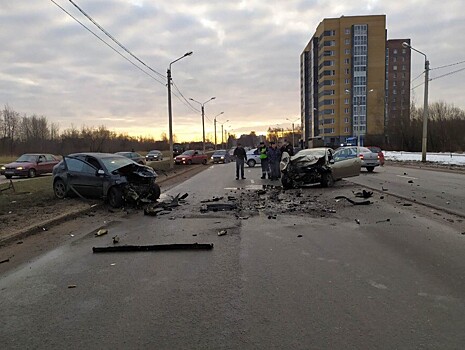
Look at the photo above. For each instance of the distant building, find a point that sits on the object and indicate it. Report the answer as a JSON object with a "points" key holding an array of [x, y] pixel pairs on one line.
{"points": [[346, 80]]}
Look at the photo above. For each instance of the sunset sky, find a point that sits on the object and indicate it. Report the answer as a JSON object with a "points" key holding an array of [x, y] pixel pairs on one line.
{"points": [[245, 53]]}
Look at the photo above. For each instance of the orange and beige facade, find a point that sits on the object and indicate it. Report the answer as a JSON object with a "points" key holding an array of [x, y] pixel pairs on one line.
{"points": [[343, 75]]}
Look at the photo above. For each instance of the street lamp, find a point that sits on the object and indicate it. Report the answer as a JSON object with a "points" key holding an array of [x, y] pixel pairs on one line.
{"points": [[293, 121], [214, 123], [222, 133], [170, 112], [203, 119], [425, 102]]}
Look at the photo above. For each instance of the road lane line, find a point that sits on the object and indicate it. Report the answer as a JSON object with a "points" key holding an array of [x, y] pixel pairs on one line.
{"points": [[408, 177]]}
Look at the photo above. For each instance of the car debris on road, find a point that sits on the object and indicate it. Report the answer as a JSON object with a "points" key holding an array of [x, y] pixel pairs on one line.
{"points": [[154, 247]]}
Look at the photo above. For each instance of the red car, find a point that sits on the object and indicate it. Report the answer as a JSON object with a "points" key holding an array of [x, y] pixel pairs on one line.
{"points": [[191, 157], [30, 165], [376, 149]]}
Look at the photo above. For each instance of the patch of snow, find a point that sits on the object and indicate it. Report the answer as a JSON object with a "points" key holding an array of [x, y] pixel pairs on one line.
{"points": [[442, 158]]}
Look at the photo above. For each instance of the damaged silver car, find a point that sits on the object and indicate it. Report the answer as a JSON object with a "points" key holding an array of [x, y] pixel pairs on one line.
{"points": [[316, 166], [112, 177]]}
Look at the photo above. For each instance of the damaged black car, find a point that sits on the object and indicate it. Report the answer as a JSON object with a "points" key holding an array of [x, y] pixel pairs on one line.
{"points": [[112, 177], [316, 166]]}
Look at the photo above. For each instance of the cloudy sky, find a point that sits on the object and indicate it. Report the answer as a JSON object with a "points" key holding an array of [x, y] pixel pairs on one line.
{"points": [[245, 53]]}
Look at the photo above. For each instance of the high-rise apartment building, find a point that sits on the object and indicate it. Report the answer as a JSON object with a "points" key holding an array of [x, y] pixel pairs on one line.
{"points": [[343, 80]]}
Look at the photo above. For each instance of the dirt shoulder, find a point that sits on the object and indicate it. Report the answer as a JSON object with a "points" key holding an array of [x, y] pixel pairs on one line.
{"points": [[32, 208], [428, 166]]}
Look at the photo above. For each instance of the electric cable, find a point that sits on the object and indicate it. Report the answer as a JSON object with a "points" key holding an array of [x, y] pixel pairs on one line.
{"points": [[184, 98], [450, 73], [448, 65], [114, 40], [111, 47]]}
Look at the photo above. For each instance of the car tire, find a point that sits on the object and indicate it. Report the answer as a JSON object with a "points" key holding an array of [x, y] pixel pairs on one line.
{"points": [[155, 192], [31, 173], [370, 169], [327, 180], [189, 162], [287, 182], [115, 197], [59, 189], [204, 162], [251, 163], [8, 176]]}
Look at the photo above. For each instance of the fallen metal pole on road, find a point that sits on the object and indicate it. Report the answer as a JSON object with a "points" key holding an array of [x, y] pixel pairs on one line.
{"points": [[155, 247]]}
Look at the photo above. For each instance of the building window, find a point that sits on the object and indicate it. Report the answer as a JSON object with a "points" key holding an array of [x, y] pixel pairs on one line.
{"points": [[394, 83], [394, 75], [394, 91], [403, 75], [347, 51], [346, 101], [395, 51], [346, 120], [346, 60], [328, 53], [346, 129], [347, 31], [329, 43], [394, 59], [404, 51], [394, 67], [329, 131], [347, 71], [347, 81], [347, 41], [329, 121], [332, 82], [403, 67]]}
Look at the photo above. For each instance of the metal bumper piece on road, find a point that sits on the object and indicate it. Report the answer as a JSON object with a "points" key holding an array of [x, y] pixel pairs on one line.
{"points": [[156, 247]]}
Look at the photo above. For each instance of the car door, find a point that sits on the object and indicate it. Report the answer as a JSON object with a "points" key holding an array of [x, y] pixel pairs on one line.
{"points": [[83, 177], [345, 164], [196, 158], [49, 163]]}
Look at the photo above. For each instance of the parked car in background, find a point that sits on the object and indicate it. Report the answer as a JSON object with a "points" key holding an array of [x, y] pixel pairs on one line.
{"points": [[221, 156], [104, 175], [178, 149], [30, 165], [134, 156], [153, 155], [376, 149], [369, 159], [316, 165], [253, 158], [191, 157]]}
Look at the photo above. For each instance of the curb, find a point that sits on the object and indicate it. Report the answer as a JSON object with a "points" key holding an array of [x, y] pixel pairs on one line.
{"points": [[39, 227]]}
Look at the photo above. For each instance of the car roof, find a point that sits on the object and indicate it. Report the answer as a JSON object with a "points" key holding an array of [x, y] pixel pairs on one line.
{"points": [[95, 154]]}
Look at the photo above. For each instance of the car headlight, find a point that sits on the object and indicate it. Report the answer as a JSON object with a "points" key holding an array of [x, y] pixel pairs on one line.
{"points": [[222, 157], [183, 158], [212, 158], [19, 168], [3, 168]]}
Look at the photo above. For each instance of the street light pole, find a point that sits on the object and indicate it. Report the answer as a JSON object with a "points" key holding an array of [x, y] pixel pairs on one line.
{"points": [[203, 119], [170, 111], [424, 141], [293, 121], [214, 123]]}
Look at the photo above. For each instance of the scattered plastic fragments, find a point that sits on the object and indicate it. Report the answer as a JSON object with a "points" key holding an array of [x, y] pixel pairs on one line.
{"points": [[352, 201], [387, 220], [222, 232], [101, 232], [115, 239], [5, 260], [357, 221], [364, 194], [72, 286]]}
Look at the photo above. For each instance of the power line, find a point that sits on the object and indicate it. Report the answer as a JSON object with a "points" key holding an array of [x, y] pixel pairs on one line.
{"points": [[186, 101], [450, 73], [114, 40], [448, 65], [419, 75], [111, 47]]}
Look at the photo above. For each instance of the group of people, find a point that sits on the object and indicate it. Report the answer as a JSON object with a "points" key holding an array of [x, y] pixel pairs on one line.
{"points": [[270, 157]]}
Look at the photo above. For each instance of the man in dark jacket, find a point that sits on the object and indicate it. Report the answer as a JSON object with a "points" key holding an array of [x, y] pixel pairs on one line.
{"points": [[286, 147], [274, 157], [241, 158]]}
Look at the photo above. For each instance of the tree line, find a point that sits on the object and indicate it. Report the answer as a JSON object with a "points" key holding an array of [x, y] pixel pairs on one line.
{"points": [[22, 133]]}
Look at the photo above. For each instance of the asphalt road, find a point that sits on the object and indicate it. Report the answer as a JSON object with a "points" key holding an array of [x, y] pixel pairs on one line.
{"points": [[439, 189], [394, 280]]}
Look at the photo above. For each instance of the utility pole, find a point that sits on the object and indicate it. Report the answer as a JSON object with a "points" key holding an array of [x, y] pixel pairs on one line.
{"points": [[214, 123], [203, 119]]}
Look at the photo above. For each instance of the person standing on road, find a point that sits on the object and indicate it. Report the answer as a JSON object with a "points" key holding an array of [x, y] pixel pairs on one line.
{"points": [[286, 147], [274, 157], [241, 158], [262, 152]]}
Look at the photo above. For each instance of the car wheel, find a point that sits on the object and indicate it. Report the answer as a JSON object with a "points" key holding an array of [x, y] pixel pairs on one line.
{"points": [[204, 161], [286, 182], [155, 192], [59, 188], [115, 197], [370, 169], [31, 173], [251, 163], [8, 176], [327, 180], [189, 162]]}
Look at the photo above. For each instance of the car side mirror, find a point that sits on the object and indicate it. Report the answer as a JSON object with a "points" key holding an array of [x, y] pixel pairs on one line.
{"points": [[100, 172]]}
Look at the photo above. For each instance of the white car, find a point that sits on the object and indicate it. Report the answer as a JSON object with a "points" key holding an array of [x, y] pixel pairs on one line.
{"points": [[253, 158], [369, 159]]}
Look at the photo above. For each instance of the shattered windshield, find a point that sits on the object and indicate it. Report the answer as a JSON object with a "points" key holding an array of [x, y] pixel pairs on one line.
{"points": [[113, 163], [315, 152]]}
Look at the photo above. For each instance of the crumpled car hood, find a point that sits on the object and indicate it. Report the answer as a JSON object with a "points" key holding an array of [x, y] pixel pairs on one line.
{"points": [[136, 169]]}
